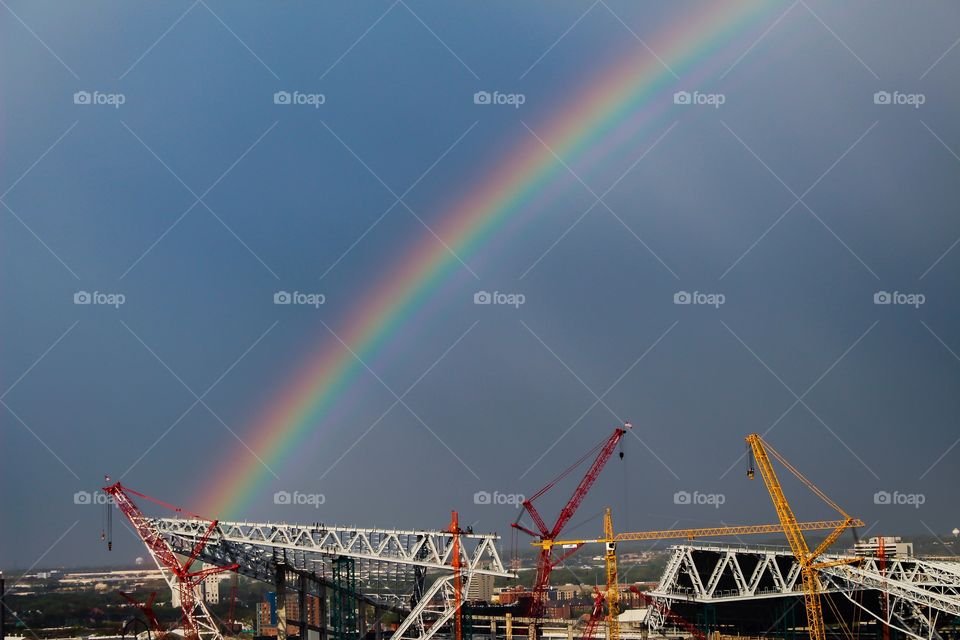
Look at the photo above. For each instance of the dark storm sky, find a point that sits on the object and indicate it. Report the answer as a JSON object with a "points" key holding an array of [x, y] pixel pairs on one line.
{"points": [[798, 200]]}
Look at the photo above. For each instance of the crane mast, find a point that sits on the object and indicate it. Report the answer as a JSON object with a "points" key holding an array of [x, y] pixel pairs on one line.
{"points": [[613, 583]]}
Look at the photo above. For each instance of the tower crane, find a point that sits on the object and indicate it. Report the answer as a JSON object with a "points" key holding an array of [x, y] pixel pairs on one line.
{"points": [[198, 624], [760, 452], [546, 535]]}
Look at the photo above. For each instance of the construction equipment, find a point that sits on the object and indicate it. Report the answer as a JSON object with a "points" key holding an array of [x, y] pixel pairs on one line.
{"points": [[759, 452], [343, 605], [595, 616], [669, 615], [457, 580], [407, 572], [884, 594], [546, 535], [198, 624], [613, 584], [610, 540], [146, 608]]}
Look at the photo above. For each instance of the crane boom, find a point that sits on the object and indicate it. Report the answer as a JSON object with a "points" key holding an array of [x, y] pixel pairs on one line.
{"points": [[692, 534], [546, 534], [589, 478]]}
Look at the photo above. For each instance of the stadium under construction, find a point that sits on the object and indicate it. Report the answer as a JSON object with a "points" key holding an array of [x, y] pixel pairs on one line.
{"points": [[356, 576]]}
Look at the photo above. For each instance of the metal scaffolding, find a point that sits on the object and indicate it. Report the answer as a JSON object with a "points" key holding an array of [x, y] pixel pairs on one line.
{"points": [[343, 608], [391, 567]]}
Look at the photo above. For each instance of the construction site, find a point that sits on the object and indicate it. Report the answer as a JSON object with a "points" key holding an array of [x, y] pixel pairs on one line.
{"points": [[341, 583]]}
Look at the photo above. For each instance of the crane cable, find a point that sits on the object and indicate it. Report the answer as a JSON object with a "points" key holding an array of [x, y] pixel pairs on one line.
{"points": [[626, 483]]}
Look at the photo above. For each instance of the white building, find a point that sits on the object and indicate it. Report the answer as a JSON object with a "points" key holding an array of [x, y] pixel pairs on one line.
{"points": [[893, 547], [209, 588]]}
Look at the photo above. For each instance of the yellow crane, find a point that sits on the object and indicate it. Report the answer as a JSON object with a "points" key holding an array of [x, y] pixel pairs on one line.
{"points": [[610, 540], [613, 582], [761, 452]]}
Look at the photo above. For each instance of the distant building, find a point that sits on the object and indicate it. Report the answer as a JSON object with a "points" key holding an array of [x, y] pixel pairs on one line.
{"points": [[893, 547], [557, 611], [481, 588], [566, 592], [266, 614], [510, 595], [122, 577], [634, 619], [209, 588]]}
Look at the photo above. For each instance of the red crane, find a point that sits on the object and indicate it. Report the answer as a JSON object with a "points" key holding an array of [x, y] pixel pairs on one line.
{"points": [[197, 621], [546, 562], [145, 607], [674, 618], [595, 616]]}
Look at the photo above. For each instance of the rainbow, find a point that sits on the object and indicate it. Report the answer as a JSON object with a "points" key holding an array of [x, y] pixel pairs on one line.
{"points": [[622, 95]]}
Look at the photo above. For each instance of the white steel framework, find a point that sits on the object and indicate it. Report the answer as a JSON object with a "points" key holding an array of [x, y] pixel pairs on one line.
{"points": [[919, 590], [392, 565]]}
